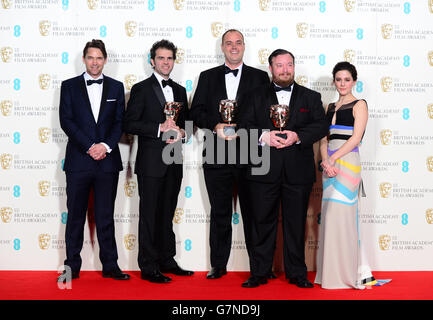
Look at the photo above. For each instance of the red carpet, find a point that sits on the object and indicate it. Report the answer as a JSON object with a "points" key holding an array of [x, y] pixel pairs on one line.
{"points": [[41, 285]]}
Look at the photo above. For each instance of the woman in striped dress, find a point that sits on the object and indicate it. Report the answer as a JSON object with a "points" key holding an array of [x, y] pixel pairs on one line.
{"points": [[339, 257]]}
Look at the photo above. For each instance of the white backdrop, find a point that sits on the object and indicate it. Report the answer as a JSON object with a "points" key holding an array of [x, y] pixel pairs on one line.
{"points": [[389, 41]]}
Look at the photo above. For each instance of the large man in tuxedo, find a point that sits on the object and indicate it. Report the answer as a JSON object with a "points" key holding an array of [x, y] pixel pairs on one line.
{"points": [[291, 172], [91, 110], [159, 180], [232, 80]]}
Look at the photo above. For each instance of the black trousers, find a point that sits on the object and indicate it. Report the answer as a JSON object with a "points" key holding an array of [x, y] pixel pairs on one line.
{"points": [[156, 239], [221, 182], [266, 199], [78, 186]]}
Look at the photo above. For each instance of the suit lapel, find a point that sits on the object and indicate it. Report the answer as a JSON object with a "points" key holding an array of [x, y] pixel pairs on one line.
{"points": [[222, 82], [293, 98], [158, 91], [271, 99], [83, 87], [243, 83], [105, 89]]}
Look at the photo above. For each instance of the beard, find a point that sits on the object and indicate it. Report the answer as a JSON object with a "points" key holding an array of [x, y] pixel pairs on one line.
{"points": [[283, 82]]}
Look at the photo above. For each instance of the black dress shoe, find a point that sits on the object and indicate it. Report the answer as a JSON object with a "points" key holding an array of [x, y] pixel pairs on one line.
{"points": [[216, 273], [65, 277], [271, 275], [116, 275], [155, 277], [301, 282], [177, 271], [254, 282]]}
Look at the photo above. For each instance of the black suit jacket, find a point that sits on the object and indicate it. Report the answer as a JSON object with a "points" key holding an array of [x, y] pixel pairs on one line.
{"points": [[211, 89], [306, 118], [144, 114], [78, 122]]}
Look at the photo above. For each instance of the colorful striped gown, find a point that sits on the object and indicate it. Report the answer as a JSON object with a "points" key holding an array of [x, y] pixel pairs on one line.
{"points": [[339, 256]]}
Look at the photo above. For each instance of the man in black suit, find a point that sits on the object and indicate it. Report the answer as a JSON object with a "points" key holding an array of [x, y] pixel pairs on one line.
{"points": [[291, 172], [91, 110], [231, 80], [159, 180]]}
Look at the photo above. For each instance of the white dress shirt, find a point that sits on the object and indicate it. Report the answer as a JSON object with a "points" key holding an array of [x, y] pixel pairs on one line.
{"points": [[168, 94], [232, 83], [95, 95]]}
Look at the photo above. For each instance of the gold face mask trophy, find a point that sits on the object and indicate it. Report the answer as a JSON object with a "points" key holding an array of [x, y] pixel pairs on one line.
{"points": [[227, 109], [279, 114], [171, 111]]}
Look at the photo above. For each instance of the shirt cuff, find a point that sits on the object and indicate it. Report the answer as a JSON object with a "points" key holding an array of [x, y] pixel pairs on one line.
{"points": [[106, 147]]}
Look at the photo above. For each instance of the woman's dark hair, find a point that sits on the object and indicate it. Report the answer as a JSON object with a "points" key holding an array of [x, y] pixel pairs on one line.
{"points": [[344, 65], [163, 44], [95, 44]]}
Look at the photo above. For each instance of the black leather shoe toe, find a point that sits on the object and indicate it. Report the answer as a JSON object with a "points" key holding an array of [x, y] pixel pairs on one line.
{"points": [[116, 275], [177, 271], [254, 282], [216, 273], [301, 282], [155, 277]]}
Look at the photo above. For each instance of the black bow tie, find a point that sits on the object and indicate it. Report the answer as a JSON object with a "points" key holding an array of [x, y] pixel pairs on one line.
{"points": [[276, 88], [90, 82], [168, 82], [234, 71]]}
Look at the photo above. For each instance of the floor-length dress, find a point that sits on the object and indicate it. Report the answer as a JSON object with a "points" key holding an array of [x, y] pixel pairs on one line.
{"points": [[339, 258]]}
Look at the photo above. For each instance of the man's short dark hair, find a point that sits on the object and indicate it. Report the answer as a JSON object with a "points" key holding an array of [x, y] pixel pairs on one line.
{"points": [[163, 44], [232, 30], [95, 43], [279, 52]]}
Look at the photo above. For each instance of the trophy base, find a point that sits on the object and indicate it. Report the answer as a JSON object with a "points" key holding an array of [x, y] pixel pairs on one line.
{"points": [[281, 135], [229, 131]]}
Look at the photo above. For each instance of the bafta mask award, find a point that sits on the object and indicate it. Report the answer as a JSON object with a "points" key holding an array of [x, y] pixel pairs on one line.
{"points": [[279, 114], [227, 110], [171, 111]]}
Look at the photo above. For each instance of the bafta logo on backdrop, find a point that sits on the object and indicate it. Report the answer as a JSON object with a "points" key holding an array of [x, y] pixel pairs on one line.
{"points": [[6, 108], [130, 80], [302, 80], [349, 55], [44, 241], [178, 213], [430, 110], [386, 84], [6, 54], [349, 5], [264, 5], [6, 214], [131, 28], [429, 163], [387, 31], [7, 4], [385, 189], [263, 55], [429, 216], [93, 4], [44, 81], [179, 4], [6, 161], [44, 134], [430, 5], [302, 29], [384, 242], [44, 27], [180, 56], [430, 58], [44, 188], [130, 187], [216, 29], [385, 137], [129, 240]]}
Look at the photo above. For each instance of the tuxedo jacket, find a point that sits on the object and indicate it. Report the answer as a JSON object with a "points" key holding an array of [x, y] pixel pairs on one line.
{"points": [[144, 114], [306, 118], [211, 89], [78, 122]]}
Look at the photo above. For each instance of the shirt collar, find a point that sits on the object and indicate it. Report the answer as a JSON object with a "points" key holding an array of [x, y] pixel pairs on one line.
{"points": [[89, 77]]}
